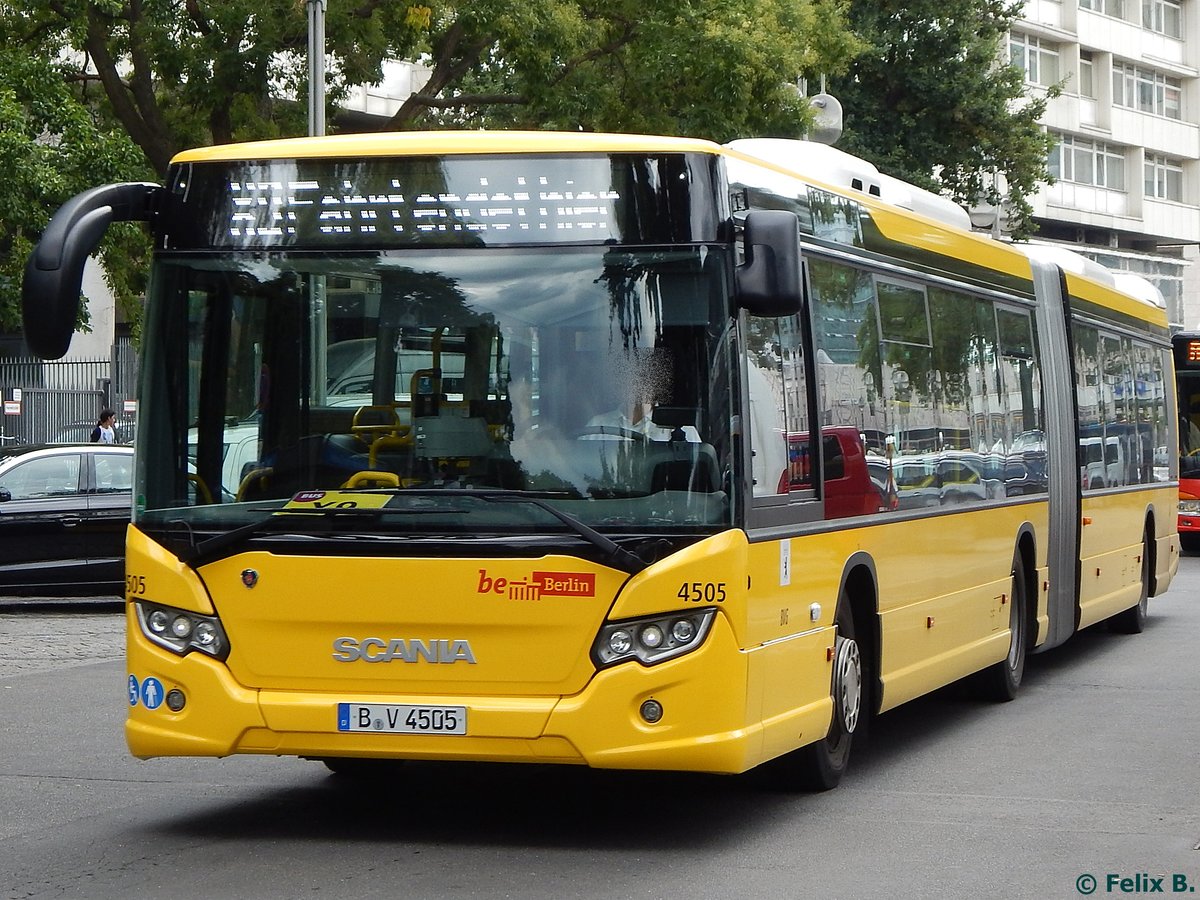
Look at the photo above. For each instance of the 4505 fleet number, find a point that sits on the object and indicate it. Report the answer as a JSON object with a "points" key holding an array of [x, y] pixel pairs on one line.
{"points": [[702, 592]]}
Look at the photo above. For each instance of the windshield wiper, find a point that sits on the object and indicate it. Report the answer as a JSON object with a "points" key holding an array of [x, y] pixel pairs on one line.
{"points": [[616, 554], [207, 549]]}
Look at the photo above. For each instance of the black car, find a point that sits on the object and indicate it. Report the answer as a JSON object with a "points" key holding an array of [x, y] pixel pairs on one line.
{"points": [[63, 515]]}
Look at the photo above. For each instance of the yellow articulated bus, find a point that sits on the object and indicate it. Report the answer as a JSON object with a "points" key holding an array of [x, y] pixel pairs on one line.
{"points": [[622, 451]]}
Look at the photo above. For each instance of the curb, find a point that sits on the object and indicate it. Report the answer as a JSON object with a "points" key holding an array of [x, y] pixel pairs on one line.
{"points": [[62, 604]]}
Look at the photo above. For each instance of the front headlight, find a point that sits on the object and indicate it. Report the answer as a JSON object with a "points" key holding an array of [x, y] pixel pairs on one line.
{"points": [[652, 639], [1190, 507], [181, 631]]}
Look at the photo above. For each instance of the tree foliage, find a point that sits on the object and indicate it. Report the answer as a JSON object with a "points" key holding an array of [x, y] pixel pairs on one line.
{"points": [[51, 148], [929, 102], [705, 68]]}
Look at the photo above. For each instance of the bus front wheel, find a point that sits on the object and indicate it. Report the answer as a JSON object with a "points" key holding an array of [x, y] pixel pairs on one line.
{"points": [[819, 766], [352, 768]]}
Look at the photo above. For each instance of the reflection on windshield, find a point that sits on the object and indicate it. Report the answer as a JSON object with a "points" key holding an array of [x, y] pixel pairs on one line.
{"points": [[595, 377]]}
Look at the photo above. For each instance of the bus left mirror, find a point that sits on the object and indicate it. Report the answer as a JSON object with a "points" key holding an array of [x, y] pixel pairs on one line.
{"points": [[54, 272], [769, 283]]}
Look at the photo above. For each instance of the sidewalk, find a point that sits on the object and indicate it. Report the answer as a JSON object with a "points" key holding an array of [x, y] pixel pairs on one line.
{"points": [[61, 604], [37, 638]]}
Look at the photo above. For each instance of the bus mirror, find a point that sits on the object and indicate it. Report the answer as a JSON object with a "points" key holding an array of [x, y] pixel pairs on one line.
{"points": [[769, 282], [54, 272], [675, 416]]}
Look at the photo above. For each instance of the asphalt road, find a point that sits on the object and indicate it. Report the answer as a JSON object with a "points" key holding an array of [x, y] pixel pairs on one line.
{"points": [[1088, 778]]}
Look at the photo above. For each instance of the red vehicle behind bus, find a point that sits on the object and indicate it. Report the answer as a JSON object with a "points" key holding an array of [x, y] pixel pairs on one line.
{"points": [[848, 487], [1187, 383]]}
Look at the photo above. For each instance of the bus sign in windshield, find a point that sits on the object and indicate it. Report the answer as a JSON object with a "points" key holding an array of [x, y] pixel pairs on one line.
{"points": [[1187, 352], [384, 202]]}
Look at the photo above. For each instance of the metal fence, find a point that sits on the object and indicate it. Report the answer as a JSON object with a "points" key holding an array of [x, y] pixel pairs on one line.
{"points": [[61, 400]]}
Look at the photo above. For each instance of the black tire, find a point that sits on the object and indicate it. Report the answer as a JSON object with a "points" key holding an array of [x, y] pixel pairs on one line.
{"points": [[1190, 541], [1133, 620], [819, 766], [1001, 681]]}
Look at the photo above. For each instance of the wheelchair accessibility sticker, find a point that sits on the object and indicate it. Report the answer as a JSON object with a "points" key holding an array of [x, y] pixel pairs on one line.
{"points": [[149, 692]]}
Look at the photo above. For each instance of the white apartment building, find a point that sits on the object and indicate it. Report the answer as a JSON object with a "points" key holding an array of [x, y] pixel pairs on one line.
{"points": [[1128, 129]]}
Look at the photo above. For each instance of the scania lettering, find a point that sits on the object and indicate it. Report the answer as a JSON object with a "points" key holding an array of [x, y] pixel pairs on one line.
{"points": [[375, 650]]}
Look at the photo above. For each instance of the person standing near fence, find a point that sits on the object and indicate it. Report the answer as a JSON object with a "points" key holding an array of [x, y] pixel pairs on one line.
{"points": [[105, 430]]}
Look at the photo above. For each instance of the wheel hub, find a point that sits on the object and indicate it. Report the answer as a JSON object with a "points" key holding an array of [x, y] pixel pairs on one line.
{"points": [[847, 683]]}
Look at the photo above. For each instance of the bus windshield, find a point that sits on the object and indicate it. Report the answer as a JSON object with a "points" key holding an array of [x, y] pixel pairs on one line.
{"points": [[594, 378], [1189, 423]]}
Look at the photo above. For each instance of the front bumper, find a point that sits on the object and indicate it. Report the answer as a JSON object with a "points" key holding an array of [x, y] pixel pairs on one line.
{"points": [[712, 718]]}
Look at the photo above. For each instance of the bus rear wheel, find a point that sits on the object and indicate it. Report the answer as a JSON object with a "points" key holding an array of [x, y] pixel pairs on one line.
{"points": [[1133, 620]]}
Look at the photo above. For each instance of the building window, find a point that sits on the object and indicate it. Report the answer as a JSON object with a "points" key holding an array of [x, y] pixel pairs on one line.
{"points": [[1087, 87], [1088, 162], [1164, 178], [1163, 16], [1147, 91], [1037, 58], [1108, 7]]}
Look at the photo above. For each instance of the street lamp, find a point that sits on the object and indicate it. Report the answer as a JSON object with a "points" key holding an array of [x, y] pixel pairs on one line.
{"points": [[316, 66]]}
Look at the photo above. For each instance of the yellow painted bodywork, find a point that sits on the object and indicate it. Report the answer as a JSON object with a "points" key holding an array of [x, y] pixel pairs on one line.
{"points": [[442, 143], [533, 693], [1111, 547], [758, 687]]}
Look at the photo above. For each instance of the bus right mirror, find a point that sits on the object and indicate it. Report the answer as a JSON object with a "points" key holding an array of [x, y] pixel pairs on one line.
{"points": [[769, 282], [54, 272]]}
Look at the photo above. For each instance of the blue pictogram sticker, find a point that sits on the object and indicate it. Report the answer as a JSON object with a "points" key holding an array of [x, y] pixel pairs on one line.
{"points": [[152, 693], [135, 690]]}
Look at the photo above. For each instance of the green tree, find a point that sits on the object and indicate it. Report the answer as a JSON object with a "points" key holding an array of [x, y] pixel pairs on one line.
{"points": [[113, 88], [704, 68], [931, 102]]}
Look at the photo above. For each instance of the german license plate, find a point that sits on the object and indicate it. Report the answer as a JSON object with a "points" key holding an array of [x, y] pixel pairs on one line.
{"points": [[402, 719]]}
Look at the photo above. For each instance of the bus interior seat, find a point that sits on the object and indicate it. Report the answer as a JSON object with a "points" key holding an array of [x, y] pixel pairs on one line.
{"points": [[694, 469], [313, 463]]}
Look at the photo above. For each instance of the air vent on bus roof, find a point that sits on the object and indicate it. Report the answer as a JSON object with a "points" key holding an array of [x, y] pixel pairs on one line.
{"points": [[840, 169], [1142, 288], [1069, 261]]}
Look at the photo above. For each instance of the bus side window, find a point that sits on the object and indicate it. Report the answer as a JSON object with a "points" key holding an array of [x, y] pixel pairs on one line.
{"points": [[780, 442]]}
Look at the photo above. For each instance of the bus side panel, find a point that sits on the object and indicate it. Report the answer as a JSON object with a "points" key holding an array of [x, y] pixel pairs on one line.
{"points": [[946, 616], [790, 613], [941, 618], [1111, 551]]}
